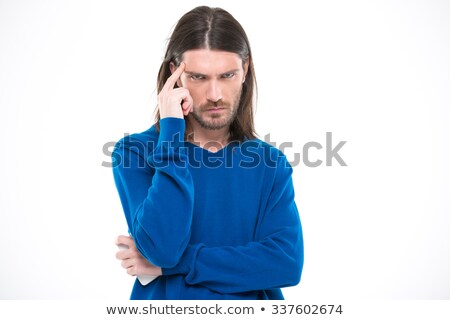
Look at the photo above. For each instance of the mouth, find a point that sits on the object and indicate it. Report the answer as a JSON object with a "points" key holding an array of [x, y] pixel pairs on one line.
{"points": [[215, 109]]}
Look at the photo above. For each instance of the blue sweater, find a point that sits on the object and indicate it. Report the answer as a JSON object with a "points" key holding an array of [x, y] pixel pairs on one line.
{"points": [[221, 225]]}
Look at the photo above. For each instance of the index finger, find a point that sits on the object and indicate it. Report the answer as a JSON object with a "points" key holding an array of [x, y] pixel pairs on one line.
{"points": [[170, 83]]}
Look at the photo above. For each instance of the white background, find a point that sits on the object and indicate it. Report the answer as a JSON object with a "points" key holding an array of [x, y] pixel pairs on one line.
{"points": [[75, 75]]}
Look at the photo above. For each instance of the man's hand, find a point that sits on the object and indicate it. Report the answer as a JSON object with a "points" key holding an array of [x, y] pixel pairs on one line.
{"points": [[174, 102], [133, 261]]}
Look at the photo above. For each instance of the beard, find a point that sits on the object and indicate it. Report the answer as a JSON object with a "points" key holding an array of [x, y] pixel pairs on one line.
{"points": [[217, 120]]}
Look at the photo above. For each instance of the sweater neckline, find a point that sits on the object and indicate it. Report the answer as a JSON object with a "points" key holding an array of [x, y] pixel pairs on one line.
{"points": [[218, 152]]}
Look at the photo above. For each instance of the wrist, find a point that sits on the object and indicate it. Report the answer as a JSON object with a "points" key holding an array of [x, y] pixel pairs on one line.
{"points": [[171, 129]]}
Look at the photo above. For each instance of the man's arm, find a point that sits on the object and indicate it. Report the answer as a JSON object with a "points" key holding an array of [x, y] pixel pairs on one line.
{"points": [[274, 261], [157, 194]]}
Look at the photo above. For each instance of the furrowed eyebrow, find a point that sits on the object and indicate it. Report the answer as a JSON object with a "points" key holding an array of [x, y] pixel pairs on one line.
{"points": [[231, 71], [193, 73]]}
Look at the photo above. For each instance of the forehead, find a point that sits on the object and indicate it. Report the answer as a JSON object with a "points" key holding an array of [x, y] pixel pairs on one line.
{"points": [[211, 61]]}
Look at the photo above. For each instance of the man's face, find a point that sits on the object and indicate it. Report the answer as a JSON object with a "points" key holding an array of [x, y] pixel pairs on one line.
{"points": [[214, 80]]}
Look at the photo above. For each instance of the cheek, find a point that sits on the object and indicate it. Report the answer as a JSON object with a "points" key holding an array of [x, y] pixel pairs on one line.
{"points": [[233, 89], [196, 92]]}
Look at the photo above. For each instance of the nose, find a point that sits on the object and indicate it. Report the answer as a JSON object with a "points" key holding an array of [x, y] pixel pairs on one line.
{"points": [[214, 92]]}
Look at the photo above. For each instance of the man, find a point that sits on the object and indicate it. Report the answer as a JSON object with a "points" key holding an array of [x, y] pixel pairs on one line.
{"points": [[210, 208]]}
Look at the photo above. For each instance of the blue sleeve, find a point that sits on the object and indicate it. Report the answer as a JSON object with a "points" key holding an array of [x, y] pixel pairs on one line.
{"points": [[157, 193], [274, 261]]}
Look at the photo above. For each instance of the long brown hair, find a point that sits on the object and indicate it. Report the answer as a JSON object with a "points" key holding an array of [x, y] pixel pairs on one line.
{"points": [[214, 29]]}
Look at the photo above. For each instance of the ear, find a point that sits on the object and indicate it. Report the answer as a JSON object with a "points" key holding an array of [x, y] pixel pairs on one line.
{"points": [[172, 67], [245, 67]]}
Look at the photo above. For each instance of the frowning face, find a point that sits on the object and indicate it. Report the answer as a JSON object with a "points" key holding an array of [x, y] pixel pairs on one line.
{"points": [[214, 80]]}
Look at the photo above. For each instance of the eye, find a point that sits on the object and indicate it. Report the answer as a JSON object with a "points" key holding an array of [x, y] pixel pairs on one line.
{"points": [[196, 77], [228, 75]]}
